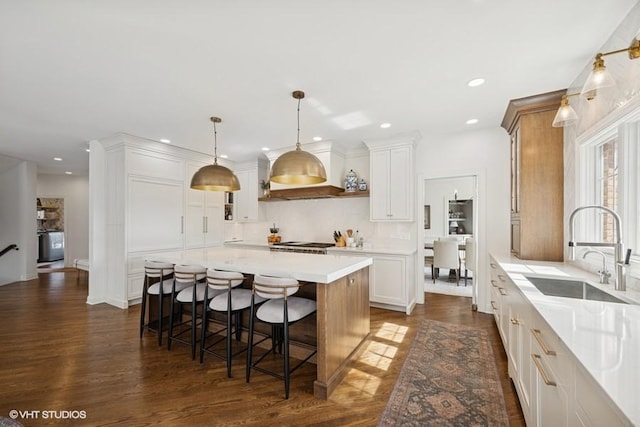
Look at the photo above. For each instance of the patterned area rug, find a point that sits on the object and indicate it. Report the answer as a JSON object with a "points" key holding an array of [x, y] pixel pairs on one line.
{"points": [[448, 379]]}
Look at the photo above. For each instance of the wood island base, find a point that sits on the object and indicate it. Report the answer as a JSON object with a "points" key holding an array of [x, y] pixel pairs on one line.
{"points": [[343, 326]]}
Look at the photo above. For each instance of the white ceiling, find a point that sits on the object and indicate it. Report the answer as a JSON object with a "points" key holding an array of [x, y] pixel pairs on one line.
{"points": [[73, 71]]}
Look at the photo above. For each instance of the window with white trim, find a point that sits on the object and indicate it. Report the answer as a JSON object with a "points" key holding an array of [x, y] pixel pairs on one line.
{"points": [[606, 175], [609, 175]]}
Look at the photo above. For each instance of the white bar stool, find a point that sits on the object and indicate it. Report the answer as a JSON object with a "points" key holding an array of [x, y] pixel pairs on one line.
{"points": [[188, 291], [280, 310], [228, 298], [162, 273]]}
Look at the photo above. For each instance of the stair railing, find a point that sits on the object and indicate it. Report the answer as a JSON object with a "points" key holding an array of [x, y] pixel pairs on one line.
{"points": [[9, 248]]}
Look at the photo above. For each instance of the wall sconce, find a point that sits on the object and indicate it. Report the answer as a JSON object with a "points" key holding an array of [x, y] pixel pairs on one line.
{"points": [[599, 77], [566, 115]]}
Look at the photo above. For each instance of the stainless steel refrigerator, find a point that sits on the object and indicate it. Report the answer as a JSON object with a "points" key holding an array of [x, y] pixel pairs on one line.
{"points": [[50, 246]]}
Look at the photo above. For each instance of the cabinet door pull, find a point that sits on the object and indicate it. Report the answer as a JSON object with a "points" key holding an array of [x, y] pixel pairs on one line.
{"points": [[494, 283], [502, 291], [204, 226], [493, 305], [543, 374], [515, 321], [492, 265], [182, 225], [501, 277], [543, 345]]}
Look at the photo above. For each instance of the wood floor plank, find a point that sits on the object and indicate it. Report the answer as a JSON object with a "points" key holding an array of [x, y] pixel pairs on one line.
{"points": [[58, 353]]}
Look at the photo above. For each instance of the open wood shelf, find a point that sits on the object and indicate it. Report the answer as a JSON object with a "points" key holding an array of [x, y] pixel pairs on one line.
{"points": [[320, 192]]}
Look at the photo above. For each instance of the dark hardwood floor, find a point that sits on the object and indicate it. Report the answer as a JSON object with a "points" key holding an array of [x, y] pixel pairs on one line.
{"points": [[60, 354]]}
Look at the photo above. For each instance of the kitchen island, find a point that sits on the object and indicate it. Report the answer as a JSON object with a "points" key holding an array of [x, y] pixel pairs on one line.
{"points": [[342, 297]]}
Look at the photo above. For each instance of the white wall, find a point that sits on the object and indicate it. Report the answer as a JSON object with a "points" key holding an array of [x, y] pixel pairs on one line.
{"points": [[18, 222], [484, 153], [75, 192]]}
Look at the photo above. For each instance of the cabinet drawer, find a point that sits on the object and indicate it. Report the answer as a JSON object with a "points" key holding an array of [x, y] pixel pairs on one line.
{"points": [[554, 354], [592, 407]]}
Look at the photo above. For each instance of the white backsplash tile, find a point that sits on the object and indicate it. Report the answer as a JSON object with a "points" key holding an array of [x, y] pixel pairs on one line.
{"points": [[316, 220]]}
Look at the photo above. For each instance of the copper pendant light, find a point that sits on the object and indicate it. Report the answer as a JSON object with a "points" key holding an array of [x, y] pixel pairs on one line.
{"points": [[215, 177], [297, 166]]}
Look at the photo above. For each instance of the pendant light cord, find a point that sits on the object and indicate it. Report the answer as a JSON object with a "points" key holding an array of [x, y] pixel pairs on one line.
{"points": [[215, 144], [298, 137]]}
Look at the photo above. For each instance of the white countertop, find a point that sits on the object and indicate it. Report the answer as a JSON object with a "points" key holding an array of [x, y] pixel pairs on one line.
{"points": [[304, 267], [604, 337]]}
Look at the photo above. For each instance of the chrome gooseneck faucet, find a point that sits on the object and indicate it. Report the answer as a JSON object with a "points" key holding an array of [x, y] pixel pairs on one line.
{"points": [[620, 262]]}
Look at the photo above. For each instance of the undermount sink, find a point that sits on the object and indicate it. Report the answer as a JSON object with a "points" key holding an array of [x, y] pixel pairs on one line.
{"points": [[571, 289]]}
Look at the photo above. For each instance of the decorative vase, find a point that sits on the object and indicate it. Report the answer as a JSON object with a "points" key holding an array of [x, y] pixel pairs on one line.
{"points": [[351, 181]]}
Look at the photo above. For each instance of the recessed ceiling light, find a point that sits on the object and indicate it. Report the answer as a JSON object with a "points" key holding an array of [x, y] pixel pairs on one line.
{"points": [[165, 140], [69, 173], [265, 148], [57, 159], [88, 150], [475, 82], [472, 121], [317, 138], [224, 156], [385, 125]]}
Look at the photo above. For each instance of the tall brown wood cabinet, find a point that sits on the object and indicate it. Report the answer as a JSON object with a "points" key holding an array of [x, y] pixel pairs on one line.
{"points": [[537, 177]]}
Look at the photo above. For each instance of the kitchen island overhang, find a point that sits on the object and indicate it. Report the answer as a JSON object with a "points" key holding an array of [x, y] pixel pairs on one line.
{"points": [[342, 297]]}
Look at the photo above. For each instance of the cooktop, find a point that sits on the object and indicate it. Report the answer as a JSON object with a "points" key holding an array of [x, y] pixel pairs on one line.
{"points": [[306, 244]]}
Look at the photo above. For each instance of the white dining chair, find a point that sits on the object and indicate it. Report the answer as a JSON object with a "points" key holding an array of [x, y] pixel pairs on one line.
{"points": [[446, 255], [469, 258]]}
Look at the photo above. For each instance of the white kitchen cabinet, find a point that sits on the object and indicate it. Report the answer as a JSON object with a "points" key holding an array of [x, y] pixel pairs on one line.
{"points": [[390, 282], [154, 214], [498, 305], [549, 390], [250, 175], [519, 348], [391, 181], [591, 405], [204, 210], [512, 314], [500, 296], [143, 186]]}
